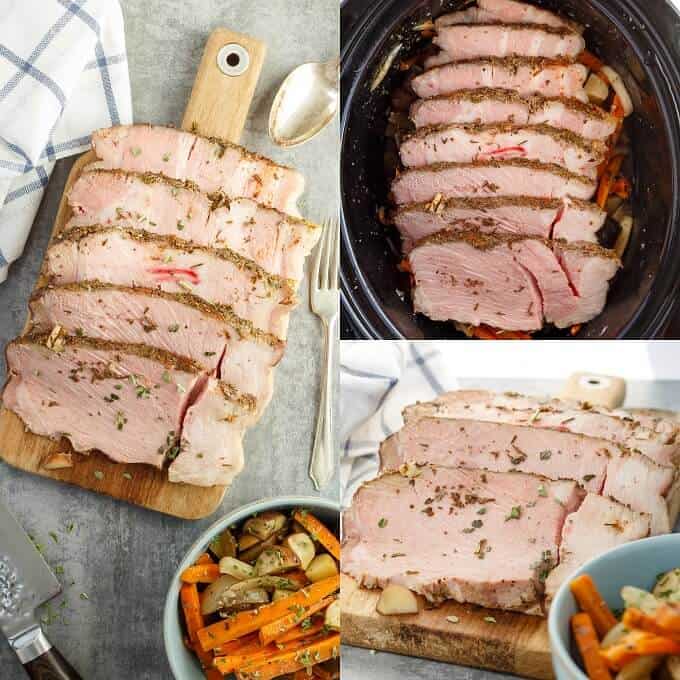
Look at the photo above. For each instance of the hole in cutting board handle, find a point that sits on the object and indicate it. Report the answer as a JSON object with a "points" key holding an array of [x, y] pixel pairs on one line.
{"points": [[233, 60]]}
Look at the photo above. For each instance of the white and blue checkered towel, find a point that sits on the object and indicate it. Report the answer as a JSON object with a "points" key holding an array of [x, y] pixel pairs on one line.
{"points": [[63, 74], [377, 380]]}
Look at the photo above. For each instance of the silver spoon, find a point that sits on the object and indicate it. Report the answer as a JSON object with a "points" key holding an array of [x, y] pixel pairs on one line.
{"points": [[305, 103]]}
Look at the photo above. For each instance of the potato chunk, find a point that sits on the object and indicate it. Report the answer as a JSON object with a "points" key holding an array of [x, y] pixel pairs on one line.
{"points": [[397, 600], [276, 560], [303, 546], [321, 567], [265, 525], [332, 618], [239, 570]]}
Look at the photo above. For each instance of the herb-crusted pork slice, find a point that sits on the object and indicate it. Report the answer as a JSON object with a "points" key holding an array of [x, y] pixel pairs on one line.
{"points": [[618, 427], [277, 242], [500, 447], [469, 143], [130, 257], [490, 178], [459, 42], [126, 401], [525, 75], [180, 323], [508, 282], [598, 525], [568, 218], [485, 538], [213, 165], [487, 106]]}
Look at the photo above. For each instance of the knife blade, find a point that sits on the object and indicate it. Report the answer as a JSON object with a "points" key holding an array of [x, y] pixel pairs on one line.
{"points": [[26, 582]]}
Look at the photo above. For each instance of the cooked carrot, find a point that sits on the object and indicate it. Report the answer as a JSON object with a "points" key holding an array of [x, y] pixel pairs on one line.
{"points": [[621, 187], [589, 646], [234, 662], [201, 573], [271, 632], [205, 559], [213, 674], [290, 662], [404, 266], [591, 61], [250, 621], [660, 623], [300, 675], [605, 186], [590, 601], [244, 645], [191, 606], [319, 532], [617, 108], [668, 617], [484, 332], [303, 631], [637, 643]]}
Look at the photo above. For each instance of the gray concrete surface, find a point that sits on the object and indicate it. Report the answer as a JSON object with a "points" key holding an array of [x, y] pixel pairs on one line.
{"points": [[362, 664], [118, 559]]}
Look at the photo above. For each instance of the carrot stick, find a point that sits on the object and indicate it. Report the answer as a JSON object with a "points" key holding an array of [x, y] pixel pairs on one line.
{"points": [[213, 674], [204, 559], [290, 662], [621, 187], [191, 606], [668, 616], [201, 573], [234, 662], [250, 621], [300, 675], [652, 623], [319, 532], [590, 601], [271, 632], [484, 332], [302, 631], [635, 644], [591, 61], [248, 643], [604, 188], [589, 646]]}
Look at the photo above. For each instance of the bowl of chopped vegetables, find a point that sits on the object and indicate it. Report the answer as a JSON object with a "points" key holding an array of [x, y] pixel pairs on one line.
{"points": [[256, 595], [619, 615]]}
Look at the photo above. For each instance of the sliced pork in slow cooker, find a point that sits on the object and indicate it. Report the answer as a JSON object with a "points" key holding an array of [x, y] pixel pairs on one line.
{"points": [[525, 75], [514, 283], [469, 143], [482, 537], [569, 219]]}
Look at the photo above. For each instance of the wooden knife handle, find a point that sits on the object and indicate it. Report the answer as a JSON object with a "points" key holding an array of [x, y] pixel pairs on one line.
{"points": [[51, 665]]}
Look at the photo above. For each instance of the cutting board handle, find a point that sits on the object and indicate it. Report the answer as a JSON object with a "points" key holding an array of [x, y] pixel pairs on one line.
{"points": [[225, 85]]}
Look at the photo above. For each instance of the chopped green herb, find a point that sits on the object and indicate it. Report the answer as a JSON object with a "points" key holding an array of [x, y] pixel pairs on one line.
{"points": [[545, 455], [481, 511], [84, 596], [477, 523], [166, 377], [53, 536], [127, 475], [490, 619], [120, 420], [135, 151], [542, 491], [382, 522], [180, 225], [515, 513], [173, 328], [99, 474], [588, 478], [166, 157]]}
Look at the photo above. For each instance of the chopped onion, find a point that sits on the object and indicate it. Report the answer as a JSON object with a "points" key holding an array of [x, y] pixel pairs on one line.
{"points": [[596, 89], [624, 235], [616, 82]]}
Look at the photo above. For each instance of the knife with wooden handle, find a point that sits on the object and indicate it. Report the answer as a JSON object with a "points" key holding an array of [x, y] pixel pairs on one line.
{"points": [[26, 583]]}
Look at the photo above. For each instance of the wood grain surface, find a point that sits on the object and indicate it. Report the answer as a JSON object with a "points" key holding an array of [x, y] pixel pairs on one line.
{"points": [[514, 643], [218, 107]]}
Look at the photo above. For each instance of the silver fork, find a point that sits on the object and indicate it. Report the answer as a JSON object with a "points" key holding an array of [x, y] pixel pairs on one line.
{"points": [[324, 297]]}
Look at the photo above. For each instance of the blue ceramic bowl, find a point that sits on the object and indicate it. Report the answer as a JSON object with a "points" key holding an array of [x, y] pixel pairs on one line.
{"points": [[183, 663], [631, 564]]}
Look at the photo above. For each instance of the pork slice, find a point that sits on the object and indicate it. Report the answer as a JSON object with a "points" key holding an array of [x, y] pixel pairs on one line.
{"points": [[621, 429], [568, 218], [589, 268], [487, 106], [469, 143], [506, 11], [500, 447], [277, 242], [462, 41], [428, 534], [180, 323], [129, 257], [512, 177], [525, 75], [598, 525], [212, 164], [126, 401], [470, 278], [211, 448]]}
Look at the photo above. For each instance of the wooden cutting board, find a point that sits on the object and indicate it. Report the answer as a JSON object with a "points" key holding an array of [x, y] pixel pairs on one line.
{"points": [[218, 107], [515, 643]]}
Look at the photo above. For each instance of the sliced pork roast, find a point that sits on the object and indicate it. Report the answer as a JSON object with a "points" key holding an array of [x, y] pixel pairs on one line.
{"points": [[568, 218], [525, 75], [481, 537], [512, 177], [598, 525], [131, 257], [508, 12], [459, 42], [598, 465], [212, 164], [469, 143], [512, 283], [277, 242], [661, 447], [180, 323], [494, 106]]}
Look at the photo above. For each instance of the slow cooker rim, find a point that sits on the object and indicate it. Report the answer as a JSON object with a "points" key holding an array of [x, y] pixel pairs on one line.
{"points": [[660, 300]]}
